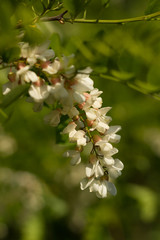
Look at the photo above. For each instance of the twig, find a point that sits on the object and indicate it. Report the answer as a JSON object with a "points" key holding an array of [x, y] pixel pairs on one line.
{"points": [[55, 18], [149, 17]]}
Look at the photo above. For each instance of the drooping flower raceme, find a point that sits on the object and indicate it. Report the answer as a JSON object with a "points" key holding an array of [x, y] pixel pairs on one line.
{"points": [[57, 84]]}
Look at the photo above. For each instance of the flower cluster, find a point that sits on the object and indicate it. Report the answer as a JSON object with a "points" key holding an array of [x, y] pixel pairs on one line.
{"points": [[56, 83]]}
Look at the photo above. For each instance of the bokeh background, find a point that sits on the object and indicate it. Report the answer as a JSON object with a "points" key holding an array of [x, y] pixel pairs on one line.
{"points": [[40, 198]]}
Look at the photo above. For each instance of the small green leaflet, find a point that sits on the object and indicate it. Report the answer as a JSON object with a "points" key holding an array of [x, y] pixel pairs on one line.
{"points": [[153, 6]]}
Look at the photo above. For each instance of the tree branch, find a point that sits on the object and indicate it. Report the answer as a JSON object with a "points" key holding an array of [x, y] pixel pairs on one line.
{"points": [[149, 17], [54, 18]]}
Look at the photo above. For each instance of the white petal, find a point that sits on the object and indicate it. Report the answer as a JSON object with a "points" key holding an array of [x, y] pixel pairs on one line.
{"points": [[113, 129], [104, 110], [78, 98], [103, 190], [71, 126], [76, 159], [94, 186], [30, 76], [38, 93], [89, 170], [81, 142], [86, 183], [23, 70], [118, 164], [108, 160], [114, 173], [91, 114], [99, 171], [111, 188], [73, 112], [97, 103]]}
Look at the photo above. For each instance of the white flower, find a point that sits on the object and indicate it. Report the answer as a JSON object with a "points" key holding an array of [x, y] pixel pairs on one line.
{"points": [[94, 169], [107, 161], [101, 187], [39, 93], [53, 118], [93, 99], [74, 135], [70, 128], [79, 137], [86, 182], [93, 114], [75, 156], [78, 98], [104, 188], [25, 75], [106, 148], [100, 121], [39, 52], [115, 169], [58, 91], [111, 135], [83, 82], [53, 68], [73, 112]]}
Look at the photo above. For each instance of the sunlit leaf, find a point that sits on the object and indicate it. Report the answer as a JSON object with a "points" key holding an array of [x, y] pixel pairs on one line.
{"points": [[74, 7], [153, 6], [105, 3], [9, 55], [153, 76], [122, 75]]}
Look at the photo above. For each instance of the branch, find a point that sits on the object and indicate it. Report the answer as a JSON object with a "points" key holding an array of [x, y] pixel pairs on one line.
{"points": [[153, 93], [149, 17], [55, 18]]}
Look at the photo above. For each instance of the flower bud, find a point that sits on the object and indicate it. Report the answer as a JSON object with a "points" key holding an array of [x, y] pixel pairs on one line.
{"points": [[12, 76], [92, 158], [75, 118], [55, 80], [38, 83], [45, 64], [96, 138], [79, 148], [87, 95], [20, 65], [81, 105], [89, 122]]}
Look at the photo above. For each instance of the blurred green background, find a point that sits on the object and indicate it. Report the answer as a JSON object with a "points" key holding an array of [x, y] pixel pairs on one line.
{"points": [[40, 198]]}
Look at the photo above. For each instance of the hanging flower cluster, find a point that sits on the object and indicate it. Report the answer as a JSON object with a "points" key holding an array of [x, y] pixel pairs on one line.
{"points": [[56, 83]]}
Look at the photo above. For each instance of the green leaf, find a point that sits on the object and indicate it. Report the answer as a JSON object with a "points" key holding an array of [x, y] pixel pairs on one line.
{"points": [[33, 35], [105, 3], [122, 75], [9, 55], [13, 95], [74, 7], [153, 6], [153, 76], [56, 44]]}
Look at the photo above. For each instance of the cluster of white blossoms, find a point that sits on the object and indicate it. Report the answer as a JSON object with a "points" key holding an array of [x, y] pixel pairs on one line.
{"points": [[57, 84]]}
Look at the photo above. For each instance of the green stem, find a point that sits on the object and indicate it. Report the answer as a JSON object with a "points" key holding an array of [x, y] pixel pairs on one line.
{"points": [[153, 16], [90, 136]]}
